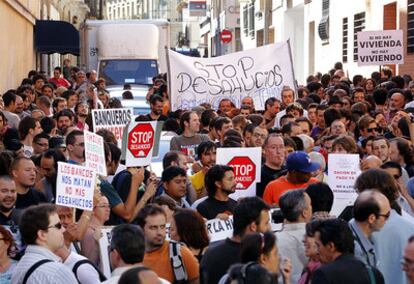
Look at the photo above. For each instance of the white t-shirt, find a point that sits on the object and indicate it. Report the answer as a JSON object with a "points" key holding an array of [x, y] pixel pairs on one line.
{"points": [[86, 273]]}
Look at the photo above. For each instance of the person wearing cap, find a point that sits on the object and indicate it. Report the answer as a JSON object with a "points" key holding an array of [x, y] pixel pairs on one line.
{"points": [[299, 175]]}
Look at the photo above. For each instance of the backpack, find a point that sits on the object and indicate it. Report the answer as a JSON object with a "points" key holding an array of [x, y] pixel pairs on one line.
{"points": [[180, 274], [33, 268], [102, 277]]}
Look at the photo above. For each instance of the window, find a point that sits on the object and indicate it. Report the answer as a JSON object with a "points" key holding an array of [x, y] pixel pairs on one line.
{"points": [[323, 27], [410, 26], [359, 25], [251, 19], [345, 40], [245, 20]]}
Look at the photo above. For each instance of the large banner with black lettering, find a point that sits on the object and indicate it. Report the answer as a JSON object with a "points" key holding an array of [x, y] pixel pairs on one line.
{"points": [[380, 47], [259, 73]]}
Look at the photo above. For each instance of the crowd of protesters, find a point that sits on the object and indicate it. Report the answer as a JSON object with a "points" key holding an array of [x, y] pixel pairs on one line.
{"points": [[372, 241]]}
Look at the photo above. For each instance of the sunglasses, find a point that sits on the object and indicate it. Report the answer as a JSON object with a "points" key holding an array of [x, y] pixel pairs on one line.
{"points": [[372, 129], [56, 226]]}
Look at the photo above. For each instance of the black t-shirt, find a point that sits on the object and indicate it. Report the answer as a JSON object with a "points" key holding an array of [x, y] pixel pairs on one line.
{"points": [[268, 175], [161, 118], [211, 207], [217, 260], [32, 197]]}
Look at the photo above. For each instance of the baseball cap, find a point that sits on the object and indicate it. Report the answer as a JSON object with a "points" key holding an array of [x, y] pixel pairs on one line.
{"points": [[301, 162]]}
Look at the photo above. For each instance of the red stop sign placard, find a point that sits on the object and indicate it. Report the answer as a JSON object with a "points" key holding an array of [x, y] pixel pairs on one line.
{"points": [[141, 140], [226, 36], [244, 172]]}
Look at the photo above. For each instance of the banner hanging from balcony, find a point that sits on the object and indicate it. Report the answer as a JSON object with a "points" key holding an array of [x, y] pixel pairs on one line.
{"points": [[260, 73]]}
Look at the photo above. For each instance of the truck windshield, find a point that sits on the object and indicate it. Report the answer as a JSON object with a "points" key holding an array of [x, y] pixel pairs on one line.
{"points": [[131, 71]]}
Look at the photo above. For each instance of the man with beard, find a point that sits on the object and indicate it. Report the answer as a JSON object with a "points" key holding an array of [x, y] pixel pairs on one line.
{"points": [[23, 171], [9, 216], [48, 168], [220, 183], [75, 146], [82, 112], [64, 120], [152, 220], [156, 104]]}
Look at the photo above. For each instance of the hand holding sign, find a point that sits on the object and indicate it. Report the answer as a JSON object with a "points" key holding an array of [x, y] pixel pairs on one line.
{"points": [[137, 174]]}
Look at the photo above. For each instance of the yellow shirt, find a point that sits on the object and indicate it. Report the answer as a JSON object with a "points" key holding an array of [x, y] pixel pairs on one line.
{"points": [[198, 182]]}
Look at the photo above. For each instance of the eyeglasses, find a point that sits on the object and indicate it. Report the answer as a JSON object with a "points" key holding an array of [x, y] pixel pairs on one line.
{"points": [[372, 129], [56, 226], [257, 135], [386, 216]]}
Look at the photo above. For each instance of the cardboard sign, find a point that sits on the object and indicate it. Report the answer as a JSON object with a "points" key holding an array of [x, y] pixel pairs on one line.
{"points": [[247, 164], [260, 73], [104, 250], [343, 171], [75, 186], [113, 120], [140, 143], [380, 47], [95, 153]]}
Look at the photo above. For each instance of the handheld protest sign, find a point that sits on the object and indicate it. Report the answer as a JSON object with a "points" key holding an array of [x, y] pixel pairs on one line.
{"points": [[113, 120], [380, 47], [259, 73], [75, 186], [246, 163], [104, 249], [140, 143], [95, 153], [343, 171]]}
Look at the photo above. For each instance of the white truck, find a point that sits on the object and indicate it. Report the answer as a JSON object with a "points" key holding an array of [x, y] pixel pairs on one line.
{"points": [[126, 52]]}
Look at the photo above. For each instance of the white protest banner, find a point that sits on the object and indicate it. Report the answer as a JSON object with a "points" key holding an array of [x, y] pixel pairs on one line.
{"points": [[112, 119], [247, 165], [343, 170], [260, 73], [380, 47], [104, 249], [140, 144], [219, 229], [95, 153], [75, 186]]}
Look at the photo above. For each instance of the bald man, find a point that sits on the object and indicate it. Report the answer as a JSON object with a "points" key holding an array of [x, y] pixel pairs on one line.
{"points": [[371, 210], [371, 162]]}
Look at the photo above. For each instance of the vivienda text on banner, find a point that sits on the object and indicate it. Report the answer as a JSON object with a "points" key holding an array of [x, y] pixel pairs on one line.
{"points": [[259, 73]]}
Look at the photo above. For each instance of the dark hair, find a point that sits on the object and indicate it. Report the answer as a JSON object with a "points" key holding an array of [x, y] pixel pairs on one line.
{"points": [[185, 117], [292, 203], [250, 273], [170, 173], [9, 97], [45, 100], [207, 116], [33, 219], [131, 276], [255, 244], [38, 77], [214, 174], [205, 147], [170, 157], [191, 228], [71, 138], [338, 232], [156, 98], [404, 149], [6, 159], [365, 207], [107, 135], [287, 128], [321, 196], [47, 124], [381, 180], [129, 241], [25, 125], [127, 95], [149, 210], [380, 96], [171, 124], [115, 151], [248, 210], [64, 112], [218, 125], [165, 200], [256, 119], [330, 115]]}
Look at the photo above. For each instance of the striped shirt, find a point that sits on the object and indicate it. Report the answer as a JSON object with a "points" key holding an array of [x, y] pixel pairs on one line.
{"points": [[50, 272]]}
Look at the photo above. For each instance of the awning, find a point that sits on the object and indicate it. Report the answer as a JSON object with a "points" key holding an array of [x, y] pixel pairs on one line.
{"points": [[56, 37]]}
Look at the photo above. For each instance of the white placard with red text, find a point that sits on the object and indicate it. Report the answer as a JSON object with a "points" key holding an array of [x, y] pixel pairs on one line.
{"points": [[95, 153], [247, 165], [343, 171], [140, 143], [75, 186], [113, 120]]}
